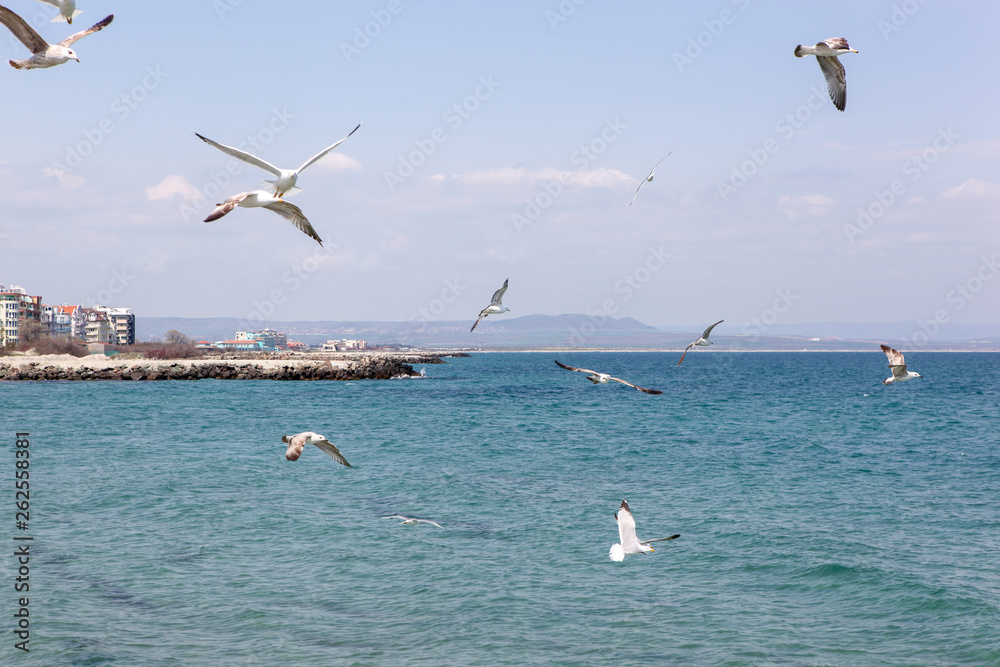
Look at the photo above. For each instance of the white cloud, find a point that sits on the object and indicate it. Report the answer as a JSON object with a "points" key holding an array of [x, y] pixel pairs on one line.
{"points": [[173, 185], [339, 162], [973, 188], [798, 206], [67, 181]]}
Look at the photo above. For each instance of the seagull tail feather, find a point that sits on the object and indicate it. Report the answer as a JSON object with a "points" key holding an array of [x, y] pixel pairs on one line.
{"points": [[18, 64], [62, 19]]}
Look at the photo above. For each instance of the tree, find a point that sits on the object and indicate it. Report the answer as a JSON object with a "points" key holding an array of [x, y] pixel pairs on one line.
{"points": [[31, 331], [175, 336]]}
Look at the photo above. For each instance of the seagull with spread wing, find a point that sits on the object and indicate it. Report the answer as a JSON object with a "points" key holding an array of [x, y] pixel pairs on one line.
{"points": [[67, 10], [604, 378], [648, 179], [496, 306], [285, 183], [826, 53], [411, 521], [44, 54], [264, 199], [703, 341], [297, 442], [628, 542], [898, 366]]}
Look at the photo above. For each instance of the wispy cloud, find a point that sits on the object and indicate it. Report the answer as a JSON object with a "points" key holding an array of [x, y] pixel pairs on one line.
{"points": [[172, 186], [973, 188], [803, 206], [517, 176]]}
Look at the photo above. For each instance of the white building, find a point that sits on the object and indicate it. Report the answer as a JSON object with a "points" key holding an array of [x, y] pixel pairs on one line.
{"points": [[10, 317], [344, 345]]}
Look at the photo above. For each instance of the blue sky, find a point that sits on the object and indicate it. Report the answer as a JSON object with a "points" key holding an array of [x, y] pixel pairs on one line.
{"points": [[506, 140]]}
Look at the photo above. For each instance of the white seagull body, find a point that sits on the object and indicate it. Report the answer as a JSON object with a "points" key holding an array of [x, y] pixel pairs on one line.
{"points": [[411, 521], [44, 54], [648, 179], [628, 543], [297, 442], [67, 10], [898, 367], [496, 306], [826, 53], [264, 199], [604, 378], [703, 341], [287, 178]]}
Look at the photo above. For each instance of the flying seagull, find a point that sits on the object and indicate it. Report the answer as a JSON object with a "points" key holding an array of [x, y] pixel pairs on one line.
{"points": [[410, 521], [648, 179], [826, 53], [67, 10], [898, 366], [629, 543], [604, 378], [43, 53], [495, 307], [285, 183], [701, 342], [262, 198], [297, 442]]}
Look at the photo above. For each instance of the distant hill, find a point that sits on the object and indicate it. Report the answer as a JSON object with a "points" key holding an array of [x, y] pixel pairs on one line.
{"points": [[579, 331]]}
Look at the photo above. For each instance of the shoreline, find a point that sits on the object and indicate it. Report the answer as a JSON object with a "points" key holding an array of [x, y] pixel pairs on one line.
{"points": [[341, 367]]}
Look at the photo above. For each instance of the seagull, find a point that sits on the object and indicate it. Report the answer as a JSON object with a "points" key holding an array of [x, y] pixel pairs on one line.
{"points": [[297, 442], [285, 183], [701, 342], [410, 521], [262, 198], [826, 53], [43, 53], [495, 307], [648, 179], [604, 378], [629, 543], [898, 366], [67, 10]]}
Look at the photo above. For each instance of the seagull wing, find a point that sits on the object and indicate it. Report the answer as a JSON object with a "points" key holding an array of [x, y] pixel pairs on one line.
{"points": [[23, 31], [895, 358], [836, 80], [708, 331], [498, 295], [227, 206], [635, 386], [626, 529], [685, 353], [837, 43], [482, 314], [242, 155], [294, 214], [72, 39], [326, 150], [661, 539], [332, 450], [433, 523], [578, 370], [648, 178]]}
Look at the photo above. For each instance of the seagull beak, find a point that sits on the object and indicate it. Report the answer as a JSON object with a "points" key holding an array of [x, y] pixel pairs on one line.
{"points": [[854, 51]]}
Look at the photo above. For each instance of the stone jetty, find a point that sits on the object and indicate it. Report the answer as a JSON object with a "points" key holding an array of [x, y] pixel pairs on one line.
{"points": [[99, 367]]}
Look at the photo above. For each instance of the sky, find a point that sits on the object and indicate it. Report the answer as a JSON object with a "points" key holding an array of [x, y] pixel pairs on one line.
{"points": [[505, 140]]}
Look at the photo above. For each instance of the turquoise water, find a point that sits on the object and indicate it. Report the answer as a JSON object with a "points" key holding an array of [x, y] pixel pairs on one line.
{"points": [[824, 519]]}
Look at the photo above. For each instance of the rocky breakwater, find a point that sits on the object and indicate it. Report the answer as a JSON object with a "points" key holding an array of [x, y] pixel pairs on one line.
{"points": [[368, 368]]}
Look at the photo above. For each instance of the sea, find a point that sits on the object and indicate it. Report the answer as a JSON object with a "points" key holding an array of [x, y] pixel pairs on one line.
{"points": [[825, 519]]}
